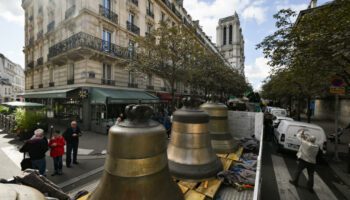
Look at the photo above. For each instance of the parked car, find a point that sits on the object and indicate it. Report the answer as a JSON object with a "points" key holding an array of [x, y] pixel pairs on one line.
{"points": [[286, 135], [278, 112], [276, 120]]}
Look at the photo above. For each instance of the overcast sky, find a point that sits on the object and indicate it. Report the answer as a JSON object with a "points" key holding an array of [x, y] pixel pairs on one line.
{"points": [[255, 15]]}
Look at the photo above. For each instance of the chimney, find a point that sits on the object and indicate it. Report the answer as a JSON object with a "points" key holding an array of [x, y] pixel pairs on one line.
{"points": [[313, 4]]}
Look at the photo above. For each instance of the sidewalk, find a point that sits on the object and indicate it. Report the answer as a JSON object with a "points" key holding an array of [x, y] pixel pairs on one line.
{"points": [[91, 157]]}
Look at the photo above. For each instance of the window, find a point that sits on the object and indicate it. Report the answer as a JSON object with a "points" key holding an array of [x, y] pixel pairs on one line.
{"points": [[230, 34], [131, 18], [149, 28], [224, 36], [51, 74], [149, 6], [106, 4], [70, 74], [106, 37], [131, 48], [162, 17], [107, 72], [131, 77]]}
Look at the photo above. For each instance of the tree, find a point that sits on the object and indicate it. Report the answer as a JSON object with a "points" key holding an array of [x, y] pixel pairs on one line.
{"points": [[169, 52], [312, 50]]}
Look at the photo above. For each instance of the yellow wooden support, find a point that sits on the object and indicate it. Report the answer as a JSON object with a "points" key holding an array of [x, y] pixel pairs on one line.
{"points": [[194, 195], [235, 156], [209, 188]]}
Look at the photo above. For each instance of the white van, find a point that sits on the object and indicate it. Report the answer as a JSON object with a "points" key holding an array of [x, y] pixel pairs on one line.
{"points": [[278, 112], [286, 135], [276, 120]]}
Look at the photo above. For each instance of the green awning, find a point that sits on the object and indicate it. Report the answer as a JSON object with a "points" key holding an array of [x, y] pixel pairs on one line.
{"points": [[47, 94], [113, 96]]}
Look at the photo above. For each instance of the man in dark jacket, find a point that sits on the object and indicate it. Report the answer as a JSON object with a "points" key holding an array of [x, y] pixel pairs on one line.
{"points": [[71, 135], [37, 147]]}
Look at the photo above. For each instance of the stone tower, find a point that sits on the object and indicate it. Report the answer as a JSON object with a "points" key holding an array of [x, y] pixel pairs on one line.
{"points": [[229, 40]]}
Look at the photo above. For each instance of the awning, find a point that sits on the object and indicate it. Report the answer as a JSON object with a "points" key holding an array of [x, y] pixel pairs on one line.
{"points": [[47, 94], [22, 104], [113, 96], [167, 96]]}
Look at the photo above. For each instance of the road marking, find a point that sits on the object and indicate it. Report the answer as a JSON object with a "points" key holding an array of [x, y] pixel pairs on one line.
{"points": [[78, 178], [286, 190], [321, 189]]}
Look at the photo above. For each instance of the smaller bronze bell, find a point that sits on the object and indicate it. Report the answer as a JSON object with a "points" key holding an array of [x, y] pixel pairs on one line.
{"points": [[190, 153], [221, 140]]}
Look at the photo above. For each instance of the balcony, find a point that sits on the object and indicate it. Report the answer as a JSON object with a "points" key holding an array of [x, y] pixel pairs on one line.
{"points": [[50, 26], [172, 7], [84, 40], [150, 87], [107, 13], [32, 87], [133, 28], [133, 85], [150, 13], [70, 81], [107, 82], [136, 2], [69, 12], [52, 84], [40, 85], [40, 34], [39, 61], [30, 64], [163, 89], [30, 18]]}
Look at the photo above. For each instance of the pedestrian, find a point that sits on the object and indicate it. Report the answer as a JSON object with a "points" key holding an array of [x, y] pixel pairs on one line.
{"points": [[120, 118], [36, 148], [71, 135], [307, 154], [56, 144], [167, 125]]}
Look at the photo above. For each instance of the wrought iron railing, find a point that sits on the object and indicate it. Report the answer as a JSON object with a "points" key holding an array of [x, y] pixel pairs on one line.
{"points": [[40, 85], [30, 18], [51, 26], [40, 61], [51, 84], [32, 87], [163, 89], [133, 28], [107, 82], [69, 12], [150, 13], [107, 13], [40, 34], [172, 7], [85, 40], [136, 2]]}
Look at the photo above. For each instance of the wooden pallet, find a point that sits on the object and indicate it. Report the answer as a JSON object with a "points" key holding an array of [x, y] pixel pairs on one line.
{"points": [[206, 190]]}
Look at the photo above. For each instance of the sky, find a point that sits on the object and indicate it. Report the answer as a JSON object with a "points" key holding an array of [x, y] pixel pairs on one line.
{"points": [[255, 17]]}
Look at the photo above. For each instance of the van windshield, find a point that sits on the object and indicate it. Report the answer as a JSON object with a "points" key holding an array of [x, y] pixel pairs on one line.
{"points": [[279, 113], [293, 130]]}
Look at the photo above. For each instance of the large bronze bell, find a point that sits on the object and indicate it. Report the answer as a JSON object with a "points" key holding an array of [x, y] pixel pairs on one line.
{"points": [[189, 152], [221, 140], [136, 167]]}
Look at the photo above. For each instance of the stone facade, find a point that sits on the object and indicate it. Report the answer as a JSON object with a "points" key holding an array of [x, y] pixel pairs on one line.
{"points": [[76, 46], [11, 80], [230, 41]]}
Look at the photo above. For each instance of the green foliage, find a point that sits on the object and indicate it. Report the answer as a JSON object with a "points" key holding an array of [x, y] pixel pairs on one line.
{"points": [[28, 119], [4, 110]]}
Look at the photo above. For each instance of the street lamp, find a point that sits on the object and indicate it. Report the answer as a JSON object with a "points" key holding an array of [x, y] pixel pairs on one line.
{"points": [[50, 116]]}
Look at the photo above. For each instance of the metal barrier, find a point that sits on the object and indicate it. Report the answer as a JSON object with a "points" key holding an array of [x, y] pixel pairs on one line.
{"points": [[7, 122]]}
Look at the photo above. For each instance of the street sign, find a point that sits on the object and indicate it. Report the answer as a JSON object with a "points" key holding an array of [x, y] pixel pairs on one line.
{"points": [[337, 90]]}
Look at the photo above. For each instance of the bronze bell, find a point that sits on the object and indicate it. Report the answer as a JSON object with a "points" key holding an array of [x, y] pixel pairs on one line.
{"points": [[189, 151], [136, 166], [221, 140]]}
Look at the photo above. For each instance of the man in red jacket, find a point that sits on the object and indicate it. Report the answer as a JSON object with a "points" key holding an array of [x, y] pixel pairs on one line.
{"points": [[56, 144]]}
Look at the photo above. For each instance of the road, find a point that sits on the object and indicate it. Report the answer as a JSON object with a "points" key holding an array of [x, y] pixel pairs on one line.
{"points": [[277, 170]]}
